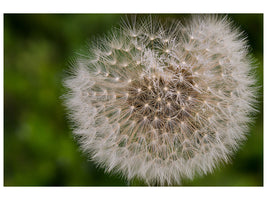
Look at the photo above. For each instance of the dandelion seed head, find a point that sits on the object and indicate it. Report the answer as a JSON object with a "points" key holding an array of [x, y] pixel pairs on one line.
{"points": [[165, 102]]}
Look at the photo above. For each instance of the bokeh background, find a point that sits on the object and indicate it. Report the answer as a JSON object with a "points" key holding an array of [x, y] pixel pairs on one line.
{"points": [[39, 149]]}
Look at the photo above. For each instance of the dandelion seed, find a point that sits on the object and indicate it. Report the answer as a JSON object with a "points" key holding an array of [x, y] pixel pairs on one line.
{"points": [[170, 135], [167, 50]]}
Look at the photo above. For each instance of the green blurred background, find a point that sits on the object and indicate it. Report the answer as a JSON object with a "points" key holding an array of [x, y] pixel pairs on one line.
{"points": [[39, 149]]}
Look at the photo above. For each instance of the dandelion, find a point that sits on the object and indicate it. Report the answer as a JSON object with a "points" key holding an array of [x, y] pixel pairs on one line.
{"points": [[163, 101]]}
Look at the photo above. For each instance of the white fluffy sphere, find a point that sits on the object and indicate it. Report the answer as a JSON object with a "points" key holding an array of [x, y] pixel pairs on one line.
{"points": [[163, 101]]}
